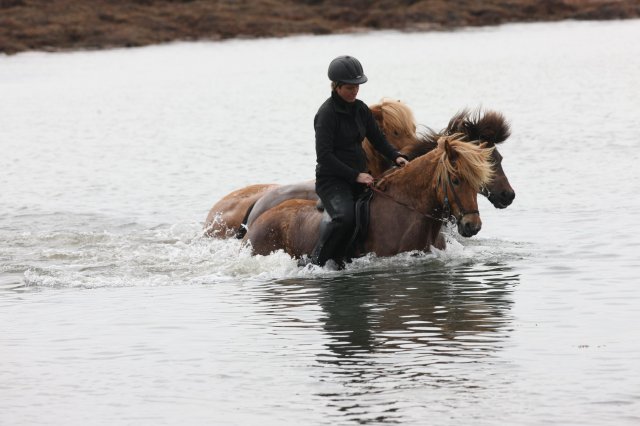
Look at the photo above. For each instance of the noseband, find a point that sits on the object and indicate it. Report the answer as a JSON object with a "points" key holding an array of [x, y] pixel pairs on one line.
{"points": [[446, 212]]}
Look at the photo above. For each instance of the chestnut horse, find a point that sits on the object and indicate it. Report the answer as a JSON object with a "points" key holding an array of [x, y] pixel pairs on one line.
{"points": [[226, 217], [396, 121], [417, 199]]}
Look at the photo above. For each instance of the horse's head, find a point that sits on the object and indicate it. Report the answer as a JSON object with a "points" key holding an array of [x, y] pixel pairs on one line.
{"points": [[499, 190], [489, 128], [462, 169], [396, 121]]}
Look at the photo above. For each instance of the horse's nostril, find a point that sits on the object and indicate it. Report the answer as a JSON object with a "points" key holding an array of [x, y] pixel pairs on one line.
{"points": [[470, 228], [473, 228]]}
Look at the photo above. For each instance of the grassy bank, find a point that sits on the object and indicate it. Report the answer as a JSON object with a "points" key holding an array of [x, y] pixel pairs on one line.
{"points": [[95, 24]]}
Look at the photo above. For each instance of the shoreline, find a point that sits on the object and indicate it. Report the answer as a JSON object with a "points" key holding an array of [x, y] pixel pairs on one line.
{"points": [[67, 25]]}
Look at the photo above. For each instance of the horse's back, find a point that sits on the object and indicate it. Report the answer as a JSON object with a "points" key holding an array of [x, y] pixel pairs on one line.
{"points": [[225, 217], [249, 191], [291, 226], [274, 196]]}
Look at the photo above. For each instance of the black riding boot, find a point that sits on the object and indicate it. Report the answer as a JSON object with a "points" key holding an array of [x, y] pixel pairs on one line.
{"points": [[337, 223], [319, 256]]}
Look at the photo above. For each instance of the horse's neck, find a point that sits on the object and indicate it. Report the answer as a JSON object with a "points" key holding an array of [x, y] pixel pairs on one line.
{"points": [[404, 218], [419, 148], [414, 186]]}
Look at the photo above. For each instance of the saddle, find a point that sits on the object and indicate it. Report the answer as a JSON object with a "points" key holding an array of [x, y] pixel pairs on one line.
{"points": [[362, 214]]}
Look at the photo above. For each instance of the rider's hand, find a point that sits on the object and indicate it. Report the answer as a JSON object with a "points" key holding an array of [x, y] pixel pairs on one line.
{"points": [[401, 161], [365, 178]]}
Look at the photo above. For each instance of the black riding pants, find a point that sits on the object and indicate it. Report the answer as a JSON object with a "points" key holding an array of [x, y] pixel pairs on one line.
{"points": [[338, 223]]}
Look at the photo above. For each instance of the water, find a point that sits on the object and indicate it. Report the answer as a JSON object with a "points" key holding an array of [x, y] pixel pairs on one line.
{"points": [[116, 311]]}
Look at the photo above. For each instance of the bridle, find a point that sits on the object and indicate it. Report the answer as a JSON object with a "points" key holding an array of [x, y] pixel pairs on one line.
{"points": [[447, 205], [485, 191]]}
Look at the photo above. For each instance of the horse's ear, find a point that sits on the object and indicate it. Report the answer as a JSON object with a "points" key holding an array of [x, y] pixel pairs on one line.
{"points": [[376, 110], [451, 153]]}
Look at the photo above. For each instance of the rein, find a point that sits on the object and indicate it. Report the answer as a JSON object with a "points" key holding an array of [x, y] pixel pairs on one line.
{"points": [[384, 194], [447, 206]]}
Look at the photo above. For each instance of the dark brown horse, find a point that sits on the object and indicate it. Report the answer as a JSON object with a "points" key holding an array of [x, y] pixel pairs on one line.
{"points": [[489, 128], [417, 199]]}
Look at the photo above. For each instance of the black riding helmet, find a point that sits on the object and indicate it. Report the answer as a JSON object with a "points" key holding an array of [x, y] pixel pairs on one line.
{"points": [[346, 70]]}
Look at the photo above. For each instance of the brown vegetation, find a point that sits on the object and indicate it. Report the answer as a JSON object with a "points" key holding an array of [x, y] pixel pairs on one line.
{"points": [[94, 24]]}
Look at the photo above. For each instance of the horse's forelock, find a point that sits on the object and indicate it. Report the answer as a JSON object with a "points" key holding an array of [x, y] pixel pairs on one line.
{"points": [[472, 163], [493, 127], [488, 126], [457, 123]]}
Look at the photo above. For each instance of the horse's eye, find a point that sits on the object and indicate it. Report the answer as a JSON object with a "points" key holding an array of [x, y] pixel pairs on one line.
{"points": [[396, 133], [455, 181]]}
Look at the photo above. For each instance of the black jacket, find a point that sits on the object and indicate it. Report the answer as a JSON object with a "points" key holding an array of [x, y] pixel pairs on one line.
{"points": [[340, 129]]}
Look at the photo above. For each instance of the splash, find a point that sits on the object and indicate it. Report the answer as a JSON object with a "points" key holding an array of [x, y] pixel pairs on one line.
{"points": [[180, 255]]}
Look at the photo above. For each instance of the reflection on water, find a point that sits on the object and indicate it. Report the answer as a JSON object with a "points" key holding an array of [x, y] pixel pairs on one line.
{"points": [[399, 330]]}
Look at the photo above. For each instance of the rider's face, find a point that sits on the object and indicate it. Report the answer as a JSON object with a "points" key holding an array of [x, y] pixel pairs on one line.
{"points": [[348, 92]]}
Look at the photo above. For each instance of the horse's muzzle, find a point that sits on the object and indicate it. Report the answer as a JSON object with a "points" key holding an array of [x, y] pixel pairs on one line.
{"points": [[502, 200], [469, 228]]}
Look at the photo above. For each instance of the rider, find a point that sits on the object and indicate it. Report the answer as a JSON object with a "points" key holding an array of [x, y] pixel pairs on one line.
{"points": [[341, 124]]}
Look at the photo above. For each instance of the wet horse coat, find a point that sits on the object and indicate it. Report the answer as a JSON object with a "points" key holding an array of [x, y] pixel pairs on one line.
{"points": [[409, 217]]}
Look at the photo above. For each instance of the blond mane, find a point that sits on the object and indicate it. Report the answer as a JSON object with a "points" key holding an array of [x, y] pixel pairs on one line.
{"points": [[473, 163], [396, 117]]}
